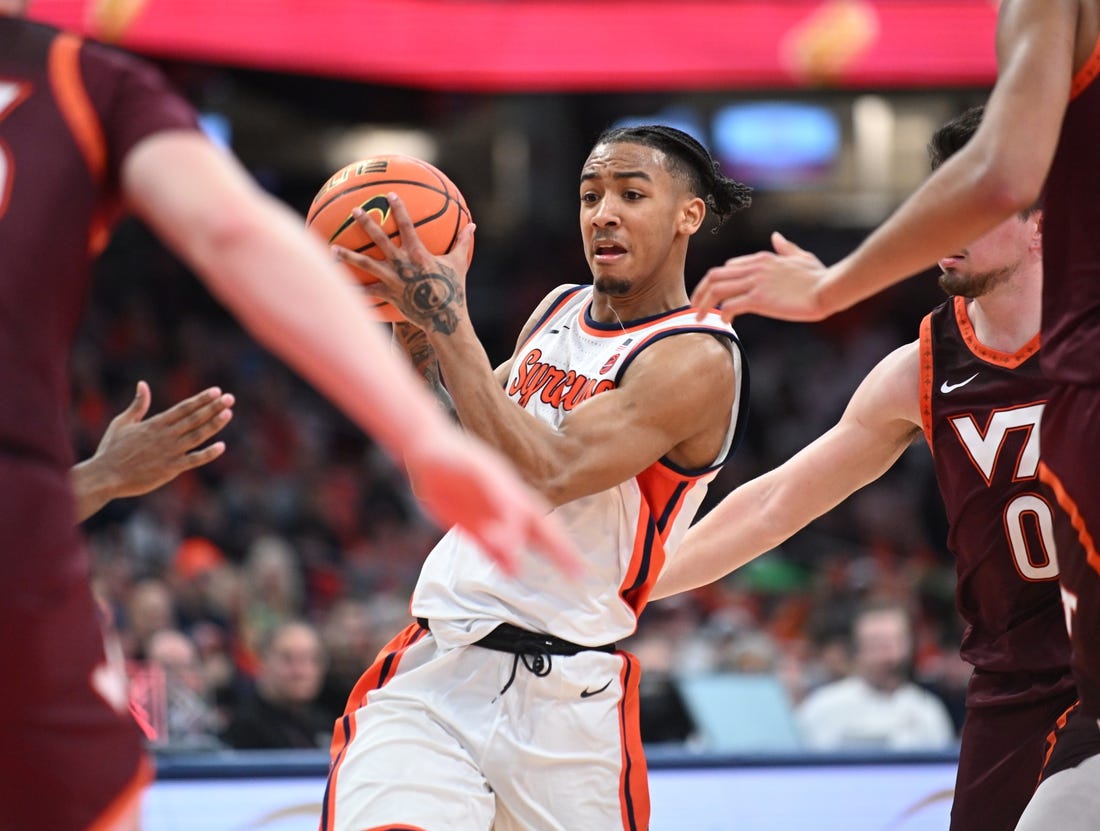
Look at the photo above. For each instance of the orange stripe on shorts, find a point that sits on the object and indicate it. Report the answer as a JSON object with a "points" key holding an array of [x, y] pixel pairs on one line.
{"points": [[633, 780], [1053, 735], [381, 671]]}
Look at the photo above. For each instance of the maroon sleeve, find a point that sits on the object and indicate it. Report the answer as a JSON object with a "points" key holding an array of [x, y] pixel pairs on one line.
{"points": [[133, 100]]}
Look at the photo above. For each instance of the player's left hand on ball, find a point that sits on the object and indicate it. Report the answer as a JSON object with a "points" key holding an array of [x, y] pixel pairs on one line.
{"points": [[429, 290]]}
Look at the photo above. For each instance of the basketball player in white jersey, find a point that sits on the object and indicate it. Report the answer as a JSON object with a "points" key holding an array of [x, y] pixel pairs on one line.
{"points": [[507, 705]]}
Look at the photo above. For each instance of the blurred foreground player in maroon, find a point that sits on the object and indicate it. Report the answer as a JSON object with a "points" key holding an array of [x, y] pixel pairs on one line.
{"points": [[84, 130], [1038, 137], [972, 386]]}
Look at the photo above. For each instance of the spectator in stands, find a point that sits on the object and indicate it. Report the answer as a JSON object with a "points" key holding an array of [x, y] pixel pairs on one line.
{"points": [[878, 707], [149, 608], [281, 712], [272, 592], [350, 643], [190, 719]]}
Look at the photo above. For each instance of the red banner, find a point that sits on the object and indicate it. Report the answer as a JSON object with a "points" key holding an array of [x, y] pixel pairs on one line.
{"points": [[568, 45]]}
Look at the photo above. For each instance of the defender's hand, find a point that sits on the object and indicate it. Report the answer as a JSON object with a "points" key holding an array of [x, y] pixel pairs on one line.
{"points": [[784, 285], [136, 456]]}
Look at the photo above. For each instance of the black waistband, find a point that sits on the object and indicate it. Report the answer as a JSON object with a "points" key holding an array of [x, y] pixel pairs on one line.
{"points": [[509, 638]]}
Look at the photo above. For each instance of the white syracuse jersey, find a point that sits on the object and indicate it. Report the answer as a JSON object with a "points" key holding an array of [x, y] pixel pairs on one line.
{"points": [[625, 533]]}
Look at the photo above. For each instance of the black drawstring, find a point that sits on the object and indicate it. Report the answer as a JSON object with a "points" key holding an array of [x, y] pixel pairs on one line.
{"points": [[536, 660], [533, 648]]}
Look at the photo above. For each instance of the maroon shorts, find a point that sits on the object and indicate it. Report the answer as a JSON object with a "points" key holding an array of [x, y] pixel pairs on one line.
{"points": [[69, 759], [1000, 759]]}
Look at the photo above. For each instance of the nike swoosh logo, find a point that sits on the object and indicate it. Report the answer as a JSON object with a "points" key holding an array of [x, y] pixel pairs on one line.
{"points": [[380, 205], [587, 693], [946, 387]]}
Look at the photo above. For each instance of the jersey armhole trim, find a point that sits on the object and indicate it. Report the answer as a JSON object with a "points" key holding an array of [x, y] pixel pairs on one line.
{"points": [[555, 306], [741, 398]]}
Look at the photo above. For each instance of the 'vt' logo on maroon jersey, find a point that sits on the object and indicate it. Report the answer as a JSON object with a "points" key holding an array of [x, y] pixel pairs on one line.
{"points": [[984, 446], [1028, 517]]}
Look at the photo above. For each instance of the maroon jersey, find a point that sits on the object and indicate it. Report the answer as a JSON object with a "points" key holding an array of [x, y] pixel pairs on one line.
{"points": [[1071, 355], [980, 410], [1071, 432], [69, 112], [1071, 244]]}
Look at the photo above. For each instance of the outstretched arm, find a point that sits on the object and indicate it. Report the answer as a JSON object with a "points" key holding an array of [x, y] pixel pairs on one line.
{"points": [[881, 420], [137, 455], [258, 259], [1000, 171]]}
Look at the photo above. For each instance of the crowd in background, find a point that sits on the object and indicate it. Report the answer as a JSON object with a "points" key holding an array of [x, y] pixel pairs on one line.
{"points": [[252, 593]]}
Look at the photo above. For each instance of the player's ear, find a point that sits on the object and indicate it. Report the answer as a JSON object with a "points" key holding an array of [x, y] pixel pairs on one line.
{"points": [[692, 215], [1037, 240]]}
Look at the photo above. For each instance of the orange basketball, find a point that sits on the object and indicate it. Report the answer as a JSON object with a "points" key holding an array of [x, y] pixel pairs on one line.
{"points": [[435, 206]]}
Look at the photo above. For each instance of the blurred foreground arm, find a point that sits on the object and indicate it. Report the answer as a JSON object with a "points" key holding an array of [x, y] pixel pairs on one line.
{"points": [[137, 455], [283, 285], [1000, 172]]}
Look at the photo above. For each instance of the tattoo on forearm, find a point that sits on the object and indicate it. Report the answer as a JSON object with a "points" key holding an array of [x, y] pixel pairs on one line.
{"points": [[415, 343], [433, 295]]}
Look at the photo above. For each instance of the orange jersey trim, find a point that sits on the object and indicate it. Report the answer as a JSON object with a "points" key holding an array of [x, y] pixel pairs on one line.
{"points": [[926, 380], [75, 105], [63, 66], [663, 494], [1087, 73], [633, 777], [582, 318], [1065, 501], [636, 585], [1009, 360], [128, 798]]}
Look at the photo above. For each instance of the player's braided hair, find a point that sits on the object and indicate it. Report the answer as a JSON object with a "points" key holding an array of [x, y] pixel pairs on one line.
{"points": [[723, 195]]}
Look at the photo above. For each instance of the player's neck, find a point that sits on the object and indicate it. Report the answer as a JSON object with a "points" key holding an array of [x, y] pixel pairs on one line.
{"points": [[636, 304], [1008, 317]]}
